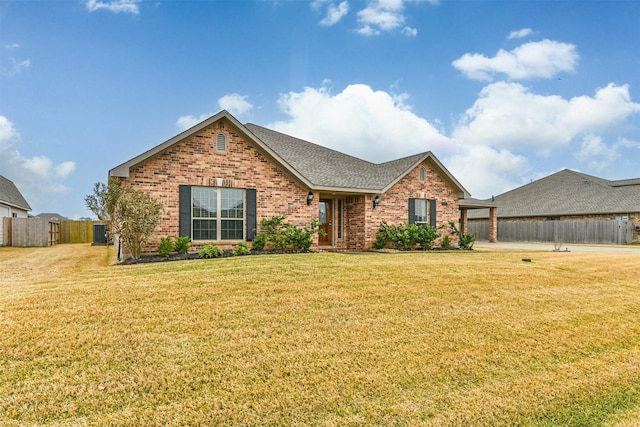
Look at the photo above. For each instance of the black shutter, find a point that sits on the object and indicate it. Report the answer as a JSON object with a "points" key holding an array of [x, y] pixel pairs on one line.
{"points": [[432, 213], [185, 210], [251, 214], [412, 211]]}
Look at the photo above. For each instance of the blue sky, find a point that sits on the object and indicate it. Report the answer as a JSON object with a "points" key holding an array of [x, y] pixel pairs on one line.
{"points": [[502, 92]]}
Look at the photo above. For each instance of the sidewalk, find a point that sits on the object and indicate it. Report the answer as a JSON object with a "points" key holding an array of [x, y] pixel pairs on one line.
{"points": [[571, 247]]}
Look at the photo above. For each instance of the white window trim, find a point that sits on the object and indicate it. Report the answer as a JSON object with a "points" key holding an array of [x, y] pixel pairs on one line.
{"points": [[218, 219]]}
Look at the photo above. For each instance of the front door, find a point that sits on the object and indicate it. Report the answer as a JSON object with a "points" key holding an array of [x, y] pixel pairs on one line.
{"points": [[325, 215]]}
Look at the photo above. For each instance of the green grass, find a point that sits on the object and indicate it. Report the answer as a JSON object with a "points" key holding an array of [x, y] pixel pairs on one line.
{"points": [[443, 338]]}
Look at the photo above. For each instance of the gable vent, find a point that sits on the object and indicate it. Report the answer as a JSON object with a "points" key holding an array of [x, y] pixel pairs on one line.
{"points": [[221, 143]]}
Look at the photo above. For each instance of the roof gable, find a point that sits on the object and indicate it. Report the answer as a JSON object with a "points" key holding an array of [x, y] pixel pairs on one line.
{"points": [[10, 195], [568, 193], [317, 167]]}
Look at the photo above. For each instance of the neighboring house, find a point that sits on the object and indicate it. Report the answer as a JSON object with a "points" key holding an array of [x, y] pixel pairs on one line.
{"points": [[220, 178], [51, 217], [568, 200], [12, 203]]}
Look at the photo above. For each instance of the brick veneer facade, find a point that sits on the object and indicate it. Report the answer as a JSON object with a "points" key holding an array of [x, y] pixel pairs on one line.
{"points": [[195, 161]]}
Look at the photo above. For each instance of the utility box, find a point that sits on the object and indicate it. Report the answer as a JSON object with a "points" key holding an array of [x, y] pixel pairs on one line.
{"points": [[100, 235]]}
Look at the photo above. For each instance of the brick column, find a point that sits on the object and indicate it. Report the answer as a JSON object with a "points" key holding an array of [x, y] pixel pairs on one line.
{"points": [[493, 224], [463, 220]]}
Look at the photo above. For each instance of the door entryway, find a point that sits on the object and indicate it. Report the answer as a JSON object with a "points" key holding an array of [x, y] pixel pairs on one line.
{"points": [[325, 216]]}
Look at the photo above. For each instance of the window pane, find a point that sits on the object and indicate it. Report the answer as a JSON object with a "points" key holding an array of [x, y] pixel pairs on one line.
{"points": [[232, 204], [205, 202], [205, 229], [421, 211], [232, 229]]}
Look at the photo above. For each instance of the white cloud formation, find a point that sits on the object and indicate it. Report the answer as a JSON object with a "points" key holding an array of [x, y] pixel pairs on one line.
{"points": [[543, 59], [508, 115], [380, 16], [595, 153], [485, 171], [115, 6], [36, 177], [334, 11], [186, 122], [359, 121], [519, 34], [235, 103], [12, 66]]}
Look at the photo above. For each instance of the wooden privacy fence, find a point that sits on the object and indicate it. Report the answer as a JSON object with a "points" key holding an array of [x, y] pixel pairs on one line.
{"points": [[30, 232], [35, 232], [76, 231], [617, 232]]}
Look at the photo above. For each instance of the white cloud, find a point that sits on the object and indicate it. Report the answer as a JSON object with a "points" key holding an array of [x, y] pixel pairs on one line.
{"points": [[235, 103], [519, 34], [334, 13], [372, 125], [36, 177], [115, 6], [186, 122], [380, 16], [543, 59], [12, 66], [508, 115], [485, 171], [596, 154]]}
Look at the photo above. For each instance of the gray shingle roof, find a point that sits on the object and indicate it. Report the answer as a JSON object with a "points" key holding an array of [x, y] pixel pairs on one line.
{"points": [[568, 193], [317, 167], [324, 167], [10, 195]]}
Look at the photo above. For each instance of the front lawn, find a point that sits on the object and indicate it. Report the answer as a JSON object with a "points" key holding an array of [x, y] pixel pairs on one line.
{"points": [[435, 338]]}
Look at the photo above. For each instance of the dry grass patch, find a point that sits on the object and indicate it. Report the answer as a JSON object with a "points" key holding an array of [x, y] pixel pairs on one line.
{"points": [[467, 338]]}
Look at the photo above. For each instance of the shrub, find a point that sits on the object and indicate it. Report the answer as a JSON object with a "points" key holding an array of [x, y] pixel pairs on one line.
{"points": [[166, 246], [242, 249], [259, 242], [210, 251], [284, 237], [466, 239], [182, 244], [406, 236], [445, 242]]}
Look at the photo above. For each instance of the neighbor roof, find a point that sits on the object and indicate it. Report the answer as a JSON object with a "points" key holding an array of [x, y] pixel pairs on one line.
{"points": [[10, 195], [317, 167], [568, 193]]}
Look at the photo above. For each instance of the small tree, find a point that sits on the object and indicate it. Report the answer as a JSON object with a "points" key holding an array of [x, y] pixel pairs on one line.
{"points": [[104, 200], [131, 214], [136, 216]]}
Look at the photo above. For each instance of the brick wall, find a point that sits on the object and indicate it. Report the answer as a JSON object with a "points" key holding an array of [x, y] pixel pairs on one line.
{"points": [[196, 162], [394, 203]]}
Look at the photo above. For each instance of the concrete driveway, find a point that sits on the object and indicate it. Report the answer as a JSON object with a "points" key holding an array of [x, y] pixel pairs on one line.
{"points": [[571, 247]]}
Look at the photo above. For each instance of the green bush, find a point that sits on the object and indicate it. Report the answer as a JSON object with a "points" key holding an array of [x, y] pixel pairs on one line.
{"points": [[166, 246], [182, 244], [259, 242], [406, 236], [210, 251], [445, 242], [242, 249], [284, 237], [466, 239]]}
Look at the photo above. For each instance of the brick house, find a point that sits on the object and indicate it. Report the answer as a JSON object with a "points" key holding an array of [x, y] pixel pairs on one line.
{"points": [[567, 206], [220, 178]]}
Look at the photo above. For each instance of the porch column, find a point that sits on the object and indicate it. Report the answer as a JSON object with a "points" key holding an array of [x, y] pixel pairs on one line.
{"points": [[493, 224], [463, 220]]}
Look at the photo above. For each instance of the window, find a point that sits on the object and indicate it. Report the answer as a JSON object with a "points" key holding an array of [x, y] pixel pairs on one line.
{"points": [[421, 212], [217, 213], [423, 174], [221, 143]]}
